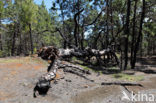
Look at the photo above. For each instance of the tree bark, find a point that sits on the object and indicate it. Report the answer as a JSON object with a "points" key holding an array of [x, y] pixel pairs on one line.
{"points": [[107, 23], [54, 55], [46, 53], [76, 27], [140, 33], [1, 46], [75, 35], [13, 41], [121, 83], [127, 35], [96, 40], [82, 39], [31, 39], [62, 13], [112, 27], [20, 39], [134, 33]]}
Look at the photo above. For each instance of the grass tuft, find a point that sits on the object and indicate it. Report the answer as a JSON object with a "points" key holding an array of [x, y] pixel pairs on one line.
{"points": [[123, 76]]}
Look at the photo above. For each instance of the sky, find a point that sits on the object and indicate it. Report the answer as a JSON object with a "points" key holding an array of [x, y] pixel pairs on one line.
{"points": [[48, 3]]}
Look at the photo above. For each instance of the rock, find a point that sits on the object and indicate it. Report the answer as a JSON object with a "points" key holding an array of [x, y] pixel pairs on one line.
{"points": [[25, 84], [67, 80], [86, 86]]}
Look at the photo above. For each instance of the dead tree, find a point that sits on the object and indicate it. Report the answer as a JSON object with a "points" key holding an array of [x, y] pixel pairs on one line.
{"points": [[56, 55], [51, 53]]}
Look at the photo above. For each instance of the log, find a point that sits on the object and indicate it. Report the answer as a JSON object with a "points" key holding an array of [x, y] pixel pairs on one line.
{"points": [[46, 53], [74, 69], [43, 84], [121, 83], [66, 64]]}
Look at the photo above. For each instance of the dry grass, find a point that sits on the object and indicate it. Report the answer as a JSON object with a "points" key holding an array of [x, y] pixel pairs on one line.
{"points": [[127, 77]]}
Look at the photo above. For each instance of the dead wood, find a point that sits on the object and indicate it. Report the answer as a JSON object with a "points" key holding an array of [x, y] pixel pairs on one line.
{"points": [[121, 83], [55, 55]]}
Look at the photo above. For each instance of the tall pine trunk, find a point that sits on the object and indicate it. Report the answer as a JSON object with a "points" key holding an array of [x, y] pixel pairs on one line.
{"points": [[1, 46], [75, 32], [20, 45], [82, 39], [65, 42], [13, 41], [31, 39], [133, 33], [127, 35], [107, 23], [140, 33], [112, 27]]}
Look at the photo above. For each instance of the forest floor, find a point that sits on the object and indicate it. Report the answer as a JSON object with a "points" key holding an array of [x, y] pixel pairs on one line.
{"points": [[20, 74]]}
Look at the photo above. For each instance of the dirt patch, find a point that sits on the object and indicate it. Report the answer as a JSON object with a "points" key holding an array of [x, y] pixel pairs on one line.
{"points": [[147, 85], [150, 83], [19, 75], [96, 94], [4, 95]]}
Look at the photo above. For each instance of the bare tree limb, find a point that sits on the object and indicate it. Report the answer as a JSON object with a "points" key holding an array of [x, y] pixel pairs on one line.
{"points": [[121, 83], [95, 18]]}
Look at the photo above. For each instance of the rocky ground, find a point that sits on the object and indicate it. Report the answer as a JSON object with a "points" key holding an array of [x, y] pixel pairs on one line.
{"points": [[19, 75]]}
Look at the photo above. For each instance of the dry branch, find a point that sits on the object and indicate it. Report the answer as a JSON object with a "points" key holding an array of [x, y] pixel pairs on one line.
{"points": [[121, 83]]}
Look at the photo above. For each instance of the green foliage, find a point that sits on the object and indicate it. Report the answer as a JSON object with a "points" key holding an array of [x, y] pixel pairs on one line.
{"points": [[21, 13], [28, 12], [1, 9], [2, 53], [35, 50]]}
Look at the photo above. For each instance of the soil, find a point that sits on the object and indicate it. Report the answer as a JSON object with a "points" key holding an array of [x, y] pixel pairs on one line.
{"points": [[20, 74]]}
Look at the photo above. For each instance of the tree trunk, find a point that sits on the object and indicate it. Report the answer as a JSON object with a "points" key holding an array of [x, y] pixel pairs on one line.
{"points": [[134, 32], [1, 46], [107, 24], [96, 40], [13, 41], [76, 27], [140, 45], [20, 39], [31, 39], [80, 34], [148, 47], [82, 39], [75, 33], [112, 27], [127, 35], [140, 33], [62, 13], [25, 45], [154, 47], [64, 44], [20, 45]]}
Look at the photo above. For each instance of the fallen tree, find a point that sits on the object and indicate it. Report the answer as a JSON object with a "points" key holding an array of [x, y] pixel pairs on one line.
{"points": [[46, 52], [56, 57]]}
